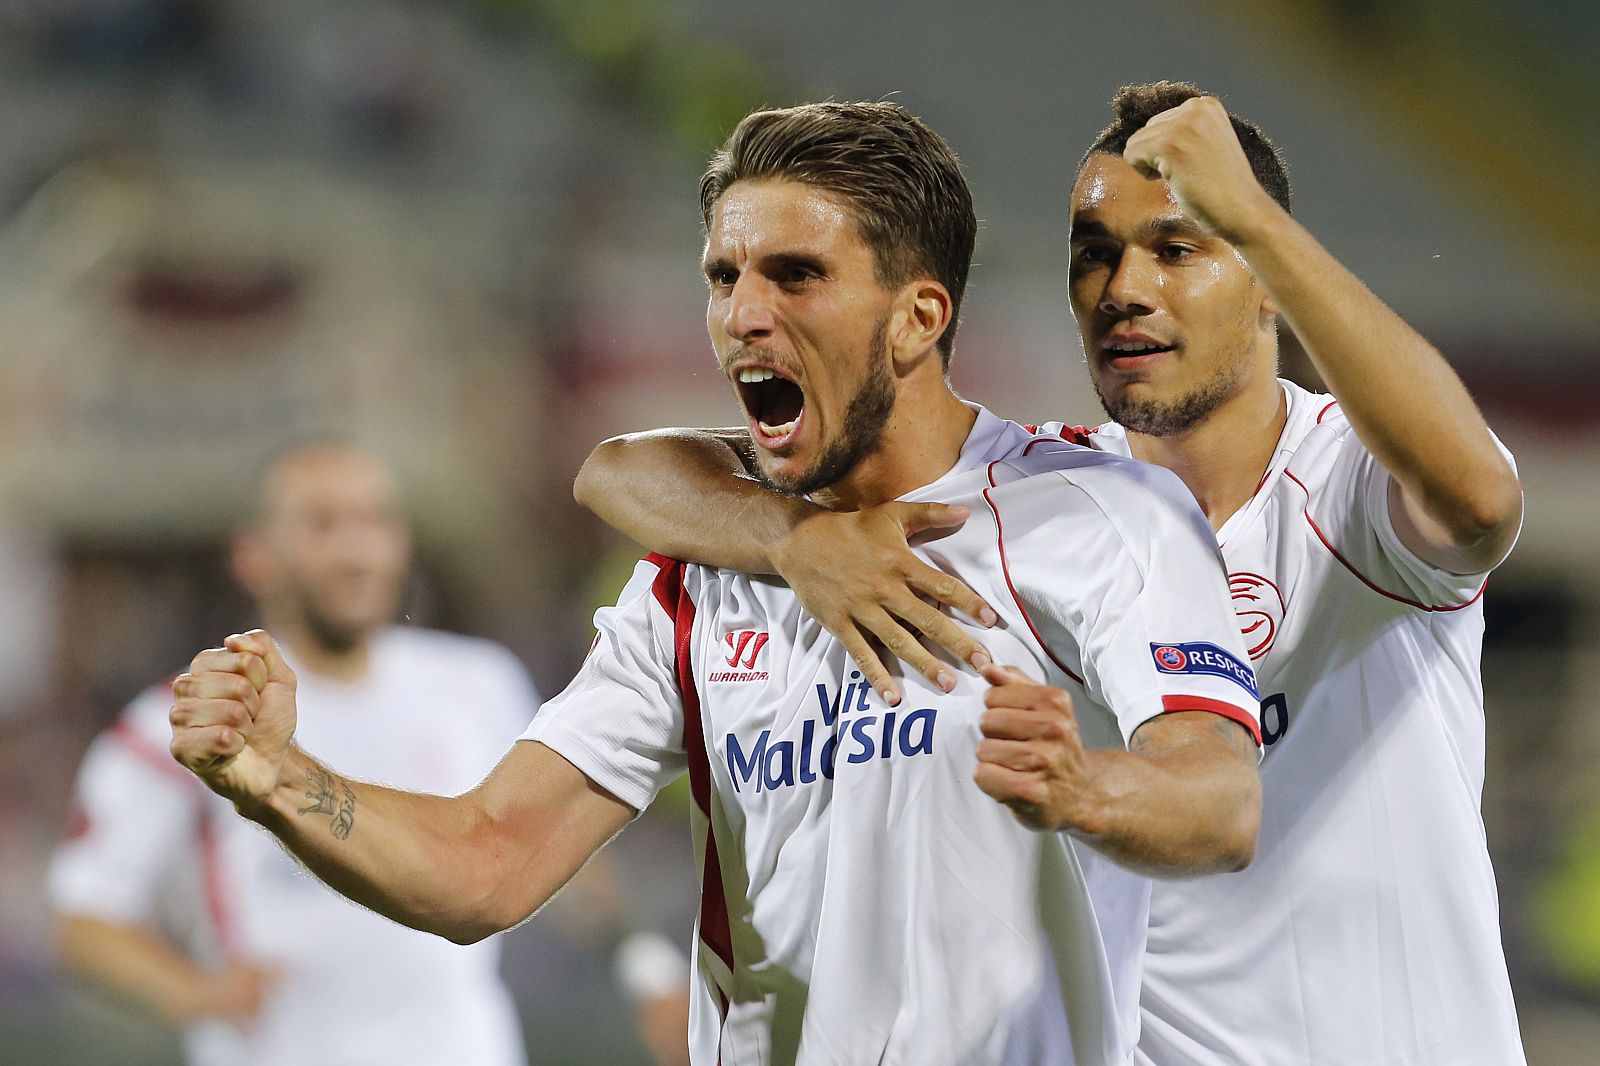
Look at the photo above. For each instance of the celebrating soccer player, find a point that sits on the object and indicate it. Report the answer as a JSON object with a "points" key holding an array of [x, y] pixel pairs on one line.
{"points": [[1358, 530], [951, 876]]}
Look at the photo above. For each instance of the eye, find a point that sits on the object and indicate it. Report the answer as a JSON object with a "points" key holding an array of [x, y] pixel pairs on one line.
{"points": [[1094, 253], [796, 275], [1174, 253], [721, 277]]}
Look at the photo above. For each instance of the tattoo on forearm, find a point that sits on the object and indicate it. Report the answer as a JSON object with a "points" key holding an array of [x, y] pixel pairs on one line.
{"points": [[333, 796]]}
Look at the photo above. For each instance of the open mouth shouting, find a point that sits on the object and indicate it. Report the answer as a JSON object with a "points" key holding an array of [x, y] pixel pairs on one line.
{"points": [[774, 404]]}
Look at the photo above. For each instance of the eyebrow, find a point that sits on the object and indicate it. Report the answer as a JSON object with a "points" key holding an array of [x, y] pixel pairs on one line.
{"points": [[773, 262], [1161, 226]]}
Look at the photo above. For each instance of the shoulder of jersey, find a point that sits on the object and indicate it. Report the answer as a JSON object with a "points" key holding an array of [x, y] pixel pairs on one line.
{"points": [[1094, 471]]}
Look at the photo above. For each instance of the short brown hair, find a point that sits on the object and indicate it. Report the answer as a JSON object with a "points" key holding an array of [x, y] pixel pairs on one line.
{"points": [[899, 179], [1135, 105]]}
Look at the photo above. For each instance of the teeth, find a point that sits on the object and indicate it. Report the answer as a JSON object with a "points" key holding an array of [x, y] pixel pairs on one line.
{"points": [[1135, 347], [778, 431], [752, 374]]}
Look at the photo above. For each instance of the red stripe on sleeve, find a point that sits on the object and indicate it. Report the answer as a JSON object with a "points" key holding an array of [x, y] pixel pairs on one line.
{"points": [[1170, 704]]}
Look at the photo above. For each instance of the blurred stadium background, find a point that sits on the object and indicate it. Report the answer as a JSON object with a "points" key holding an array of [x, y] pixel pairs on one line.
{"points": [[466, 233]]}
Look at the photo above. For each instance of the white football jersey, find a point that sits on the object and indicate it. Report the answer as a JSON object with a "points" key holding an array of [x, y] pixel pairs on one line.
{"points": [[150, 845], [862, 900], [1367, 928]]}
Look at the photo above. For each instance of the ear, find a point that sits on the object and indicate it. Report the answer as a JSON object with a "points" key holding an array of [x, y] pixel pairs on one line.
{"points": [[923, 313]]}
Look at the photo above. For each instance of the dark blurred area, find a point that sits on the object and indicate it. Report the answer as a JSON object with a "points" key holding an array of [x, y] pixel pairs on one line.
{"points": [[465, 234]]}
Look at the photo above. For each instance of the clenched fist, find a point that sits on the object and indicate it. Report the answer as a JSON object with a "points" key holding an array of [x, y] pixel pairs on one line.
{"points": [[1031, 758], [233, 716], [1194, 148]]}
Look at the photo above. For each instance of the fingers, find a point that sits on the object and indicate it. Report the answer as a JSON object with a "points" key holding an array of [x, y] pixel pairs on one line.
{"points": [[942, 588], [905, 646], [259, 643], [201, 749], [866, 659], [1015, 755], [938, 629], [1025, 794], [998, 674], [222, 661], [217, 686], [916, 517]]}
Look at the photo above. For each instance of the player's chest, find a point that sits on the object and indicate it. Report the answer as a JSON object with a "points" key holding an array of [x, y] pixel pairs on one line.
{"points": [[790, 724]]}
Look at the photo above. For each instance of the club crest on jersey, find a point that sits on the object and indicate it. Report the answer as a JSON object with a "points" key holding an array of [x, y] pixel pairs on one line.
{"points": [[744, 647], [1258, 605], [1202, 657], [847, 729]]}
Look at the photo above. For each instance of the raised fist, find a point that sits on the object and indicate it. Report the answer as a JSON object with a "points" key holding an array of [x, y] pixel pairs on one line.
{"points": [[233, 716]]}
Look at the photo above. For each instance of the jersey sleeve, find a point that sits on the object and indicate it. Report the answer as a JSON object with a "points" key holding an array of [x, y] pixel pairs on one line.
{"points": [[133, 823], [620, 721], [1125, 576], [1348, 508]]}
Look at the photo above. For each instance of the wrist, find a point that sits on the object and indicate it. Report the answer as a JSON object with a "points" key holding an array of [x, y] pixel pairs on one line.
{"points": [[780, 545], [1094, 809], [284, 798], [1256, 221]]}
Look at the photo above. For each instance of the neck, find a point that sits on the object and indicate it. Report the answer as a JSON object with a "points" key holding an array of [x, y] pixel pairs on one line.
{"points": [[346, 665], [921, 442], [1223, 458]]}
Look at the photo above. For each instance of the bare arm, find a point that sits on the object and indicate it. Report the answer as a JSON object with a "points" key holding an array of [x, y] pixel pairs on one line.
{"points": [[1457, 502], [1184, 800], [142, 968], [687, 494], [461, 867]]}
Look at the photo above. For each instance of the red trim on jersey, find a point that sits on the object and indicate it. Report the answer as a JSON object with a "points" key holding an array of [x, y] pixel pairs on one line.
{"points": [[1078, 435], [146, 752], [1325, 410], [1169, 704], [213, 880], [135, 744], [1432, 609], [1005, 570], [715, 930]]}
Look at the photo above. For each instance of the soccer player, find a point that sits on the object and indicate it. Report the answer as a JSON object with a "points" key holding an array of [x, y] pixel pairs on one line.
{"points": [[951, 878], [1358, 529], [169, 899]]}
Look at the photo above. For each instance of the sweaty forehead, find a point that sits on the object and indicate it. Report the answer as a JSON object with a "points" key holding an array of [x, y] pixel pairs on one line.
{"points": [[756, 216], [1110, 191]]}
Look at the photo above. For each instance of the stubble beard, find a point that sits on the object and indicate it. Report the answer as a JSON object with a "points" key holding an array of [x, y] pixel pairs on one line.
{"points": [[864, 421], [1171, 418]]}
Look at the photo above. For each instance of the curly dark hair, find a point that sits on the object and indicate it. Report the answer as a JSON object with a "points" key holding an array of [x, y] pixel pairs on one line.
{"points": [[1135, 105], [900, 180]]}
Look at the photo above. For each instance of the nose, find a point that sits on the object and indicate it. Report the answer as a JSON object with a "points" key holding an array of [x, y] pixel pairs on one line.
{"points": [[1133, 286], [750, 312]]}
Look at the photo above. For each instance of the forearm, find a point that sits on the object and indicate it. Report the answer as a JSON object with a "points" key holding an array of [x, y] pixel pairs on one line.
{"points": [[687, 495], [1179, 812], [430, 862], [1405, 402], [133, 964]]}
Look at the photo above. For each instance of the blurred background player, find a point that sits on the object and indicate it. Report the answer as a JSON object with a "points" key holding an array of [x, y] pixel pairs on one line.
{"points": [[168, 899], [1358, 529]]}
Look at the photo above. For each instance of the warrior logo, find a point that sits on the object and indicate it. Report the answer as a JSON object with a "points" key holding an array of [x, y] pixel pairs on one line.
{"points": [[739, 642], [743, 647]]}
